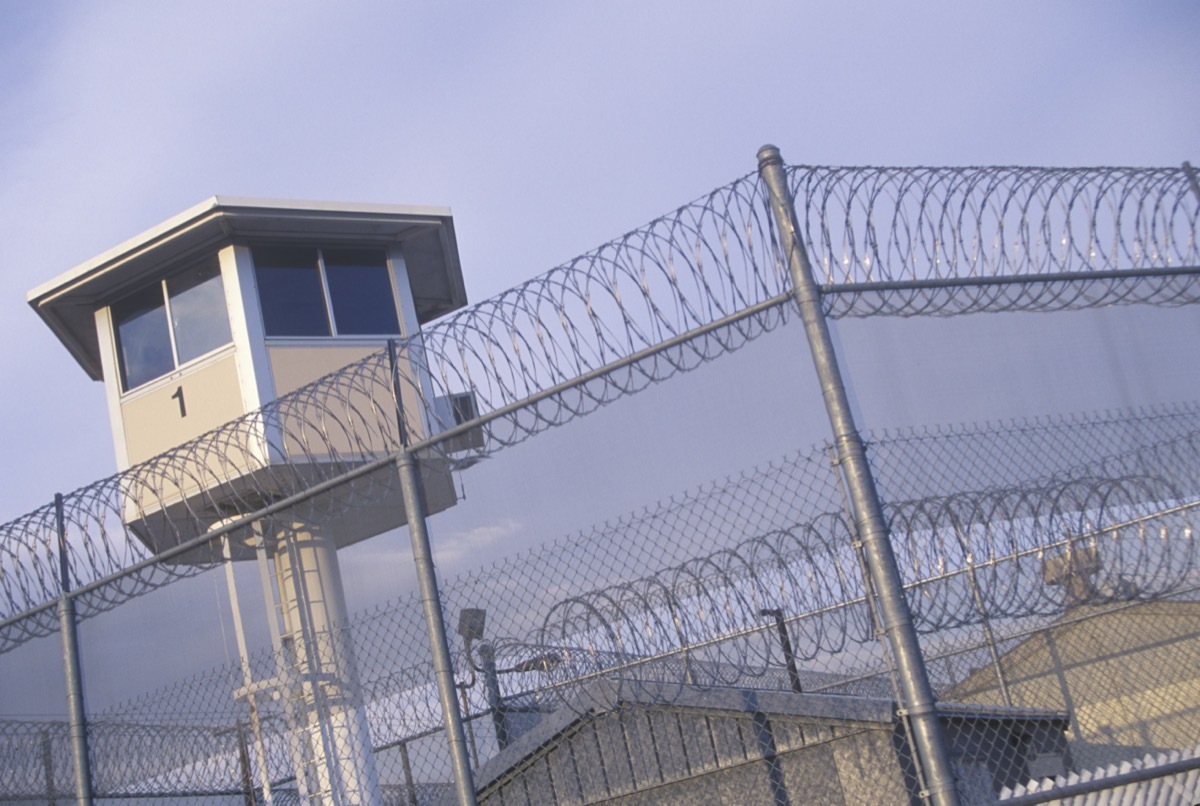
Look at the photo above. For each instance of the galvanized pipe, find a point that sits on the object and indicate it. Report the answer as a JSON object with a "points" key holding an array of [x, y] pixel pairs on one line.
{"points": [[1107, 784], [491, 690], [989, 634], [785, 641], [410, 785], [443, 670], [1191, 175], [77, 718], [933, 283], [896, 619], [408, 467], [239, 631]]}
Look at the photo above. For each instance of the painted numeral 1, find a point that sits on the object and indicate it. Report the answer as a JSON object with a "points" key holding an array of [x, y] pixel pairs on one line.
{"points": [[182, 406]]}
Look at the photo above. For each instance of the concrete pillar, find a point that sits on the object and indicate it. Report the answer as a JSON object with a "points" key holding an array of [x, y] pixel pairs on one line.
{"points": [[327, 697]]}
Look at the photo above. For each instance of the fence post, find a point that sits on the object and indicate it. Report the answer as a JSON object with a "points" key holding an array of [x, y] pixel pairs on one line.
{"points": [[1191, 175], [74, 671], [988, 634], [918, 701], [410, 785], [491, 689], [407, 466]]}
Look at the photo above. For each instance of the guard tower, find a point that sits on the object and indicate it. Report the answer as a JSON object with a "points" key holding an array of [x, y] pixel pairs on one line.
{"points": [[235, 303], [205, 319]]}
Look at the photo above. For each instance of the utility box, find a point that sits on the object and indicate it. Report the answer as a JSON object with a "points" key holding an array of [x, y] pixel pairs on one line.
{"points": [[233, 304]]}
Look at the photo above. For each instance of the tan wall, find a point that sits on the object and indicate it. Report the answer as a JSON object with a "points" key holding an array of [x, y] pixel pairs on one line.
{"points": [[1129, 679], [318, 437], [361, 420], [294, 366], [662, 755], [153, 421]]}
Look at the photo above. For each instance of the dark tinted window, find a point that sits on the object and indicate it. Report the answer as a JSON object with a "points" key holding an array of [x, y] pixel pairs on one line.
{"points": [[198, 313], [290, 292], [360, 292], [143, 338]]}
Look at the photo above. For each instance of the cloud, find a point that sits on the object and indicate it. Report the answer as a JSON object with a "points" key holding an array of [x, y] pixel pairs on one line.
{"points": [[459, 550]]}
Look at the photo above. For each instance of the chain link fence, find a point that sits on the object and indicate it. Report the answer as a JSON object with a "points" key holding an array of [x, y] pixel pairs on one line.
{"points": [[720, 644]]}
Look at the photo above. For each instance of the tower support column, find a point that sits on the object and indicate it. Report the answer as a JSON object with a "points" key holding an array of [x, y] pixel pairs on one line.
{"points": [[331, 717]]}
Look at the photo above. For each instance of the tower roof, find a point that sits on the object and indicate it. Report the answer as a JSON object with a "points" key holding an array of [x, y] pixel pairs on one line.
{"points": [[68, 302]]}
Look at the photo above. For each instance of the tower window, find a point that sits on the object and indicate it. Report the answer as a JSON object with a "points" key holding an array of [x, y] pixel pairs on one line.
{"points": [[325, 292], [170, 323]]}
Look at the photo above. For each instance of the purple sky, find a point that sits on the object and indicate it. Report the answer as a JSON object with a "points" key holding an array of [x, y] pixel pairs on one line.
{"points": [[548, 128]]}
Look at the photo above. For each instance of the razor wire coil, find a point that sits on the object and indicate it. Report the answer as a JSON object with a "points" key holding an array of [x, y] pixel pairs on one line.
{"points": [[888, 241]]}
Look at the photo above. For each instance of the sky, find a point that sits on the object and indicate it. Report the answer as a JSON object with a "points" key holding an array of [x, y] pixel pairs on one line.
{"points": [[548, 128]]}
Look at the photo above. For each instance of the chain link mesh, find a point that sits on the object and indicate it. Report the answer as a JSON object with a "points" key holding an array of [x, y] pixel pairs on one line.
{"points": [[717, 645]]}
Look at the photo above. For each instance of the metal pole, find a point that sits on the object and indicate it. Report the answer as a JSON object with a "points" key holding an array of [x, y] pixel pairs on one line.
{"points": [[248, 796], [74, 671], [443, 671], [407, 465], [284, 665], [410, 786], [48, 769], [466, 711], [491, 688], [989, 636], [789, 656], [688, 677], [1191, 175], [919, 704], [239, 632]]}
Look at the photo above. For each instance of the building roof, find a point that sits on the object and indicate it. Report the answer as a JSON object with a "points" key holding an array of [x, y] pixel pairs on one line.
{"points": [[68, 302], [609, 695]]}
